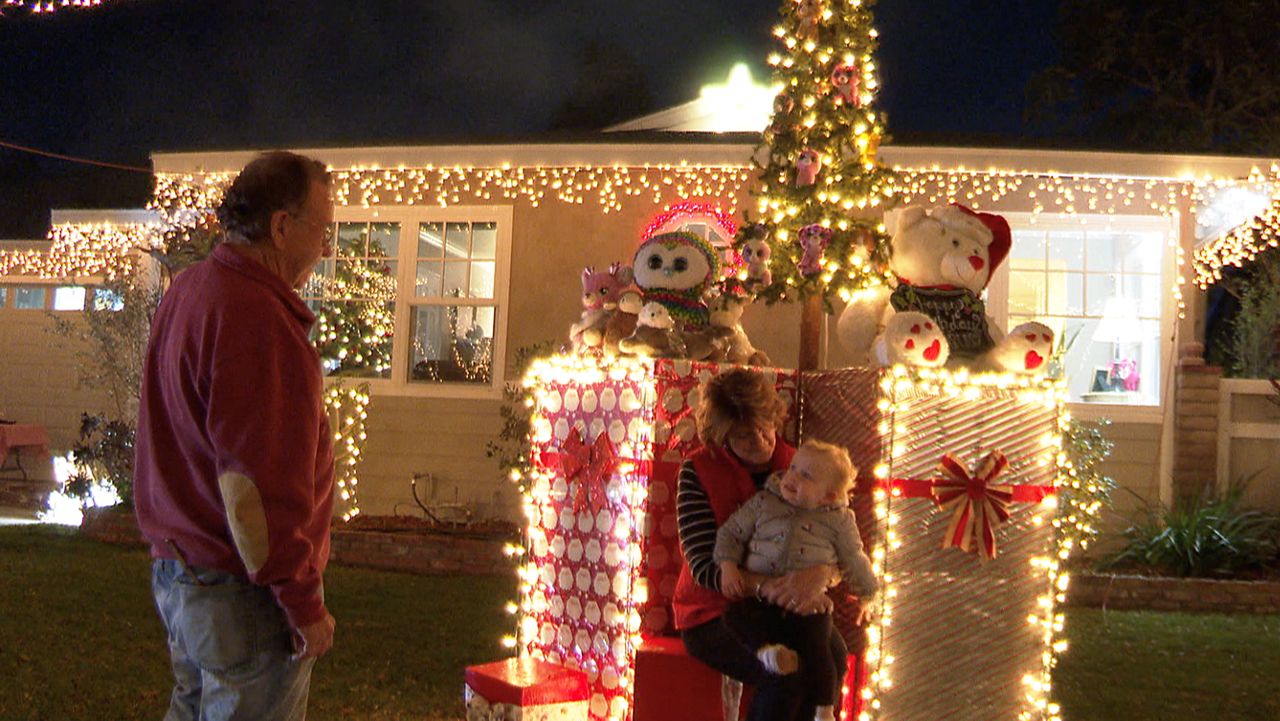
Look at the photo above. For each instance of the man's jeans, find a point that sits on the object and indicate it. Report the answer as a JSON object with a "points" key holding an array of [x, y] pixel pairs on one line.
{"points": [[230, 648]]}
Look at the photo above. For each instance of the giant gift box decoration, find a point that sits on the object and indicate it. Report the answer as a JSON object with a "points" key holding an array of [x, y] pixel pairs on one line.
{"points": [[525, 689], [971, 629]]}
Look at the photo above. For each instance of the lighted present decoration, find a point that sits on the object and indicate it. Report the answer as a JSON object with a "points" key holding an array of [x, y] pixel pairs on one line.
{"points": [[603, 552], [525, 689], [969, 563]]}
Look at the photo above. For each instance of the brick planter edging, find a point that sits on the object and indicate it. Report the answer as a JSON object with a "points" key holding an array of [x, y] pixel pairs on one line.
{"points": [[1173, 594], [424, 553]]}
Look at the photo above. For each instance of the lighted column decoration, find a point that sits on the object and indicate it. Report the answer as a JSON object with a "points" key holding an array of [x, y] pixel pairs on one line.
{"points": [[822, 186], [971, 629]]}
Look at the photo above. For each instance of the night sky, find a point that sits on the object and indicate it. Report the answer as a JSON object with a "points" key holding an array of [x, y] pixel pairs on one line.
{"points": [[117, 83]]}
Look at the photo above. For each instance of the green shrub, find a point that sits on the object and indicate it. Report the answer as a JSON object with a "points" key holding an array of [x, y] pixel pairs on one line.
{"points": [[1209, 537], [1252, 344]]}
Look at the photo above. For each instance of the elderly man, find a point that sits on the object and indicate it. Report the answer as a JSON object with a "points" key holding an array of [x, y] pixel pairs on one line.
{"points": [[234, 468]]}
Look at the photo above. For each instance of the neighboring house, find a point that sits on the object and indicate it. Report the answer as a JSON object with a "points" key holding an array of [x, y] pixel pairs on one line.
{"points": [[485, 244]]}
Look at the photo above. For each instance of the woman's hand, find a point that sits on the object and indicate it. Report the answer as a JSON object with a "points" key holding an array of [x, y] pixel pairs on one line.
{"points": [[803, 591]]}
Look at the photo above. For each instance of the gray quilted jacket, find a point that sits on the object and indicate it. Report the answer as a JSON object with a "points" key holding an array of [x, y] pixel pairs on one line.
{"points": [[771, 537]]}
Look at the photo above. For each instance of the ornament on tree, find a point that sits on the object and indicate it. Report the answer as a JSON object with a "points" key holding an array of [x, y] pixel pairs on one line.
{"points": [[808, 166], [808, 12], [844, 79], [813, 239], [755, 254]]}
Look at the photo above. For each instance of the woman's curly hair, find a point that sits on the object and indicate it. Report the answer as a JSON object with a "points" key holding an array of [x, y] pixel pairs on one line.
{"points": [[737, 396], [273, 181]]}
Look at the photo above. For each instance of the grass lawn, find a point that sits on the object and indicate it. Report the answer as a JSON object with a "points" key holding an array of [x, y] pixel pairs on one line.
{"points": [[79, 640]]}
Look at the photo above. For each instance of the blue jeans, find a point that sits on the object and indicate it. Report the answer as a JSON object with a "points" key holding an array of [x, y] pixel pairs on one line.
{"points": [[230, 647]]}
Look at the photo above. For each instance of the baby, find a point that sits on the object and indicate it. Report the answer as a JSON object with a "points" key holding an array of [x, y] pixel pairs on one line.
{"points": [[800, 519]]}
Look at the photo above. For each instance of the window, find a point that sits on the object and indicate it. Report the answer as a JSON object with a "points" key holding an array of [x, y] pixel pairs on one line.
{"points": [[1101, 286], [4, 293], [415, 298], [68, 298], [28, 297]]}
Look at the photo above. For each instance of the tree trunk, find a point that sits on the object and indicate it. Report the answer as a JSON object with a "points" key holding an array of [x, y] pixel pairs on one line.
{"points": [[811, 317]]}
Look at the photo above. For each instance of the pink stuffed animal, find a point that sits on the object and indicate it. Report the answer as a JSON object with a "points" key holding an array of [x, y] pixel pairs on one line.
{"points": [[814, 239], [844, 78], [600, 293], [807, 167]]}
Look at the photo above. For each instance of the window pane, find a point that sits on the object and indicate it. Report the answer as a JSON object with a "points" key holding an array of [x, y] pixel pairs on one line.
{"points": [[68, 297], [455, 279], [1150, 294], [482, 279], [1027, 250], [4, 292], [451, 344], [428, 280], [484, 241], [430, 240], [354, 337], [1104, 251], [456, 240], [28, 298], [1098, 290], [1144, 253], [352, 239], [384, 240], [1065, 293], [104, 299], [1066, 251], [1026, 292]]}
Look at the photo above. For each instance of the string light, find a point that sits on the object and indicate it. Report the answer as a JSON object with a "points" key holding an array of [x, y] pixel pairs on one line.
{"points": [[900, 387], [347, 408], [44, 7], [1242, 244]]}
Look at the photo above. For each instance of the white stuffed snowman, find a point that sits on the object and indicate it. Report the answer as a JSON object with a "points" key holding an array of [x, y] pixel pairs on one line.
{"points": [[934, 315]]}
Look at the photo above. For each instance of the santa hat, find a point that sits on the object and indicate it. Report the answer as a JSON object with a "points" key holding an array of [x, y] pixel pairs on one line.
{"points": [[1001, 236]]}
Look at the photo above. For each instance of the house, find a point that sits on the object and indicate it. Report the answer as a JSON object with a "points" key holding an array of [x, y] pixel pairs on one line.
{"points": [[486, 242]]}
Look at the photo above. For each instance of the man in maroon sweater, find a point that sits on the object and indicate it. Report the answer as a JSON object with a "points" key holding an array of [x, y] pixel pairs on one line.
{"points": [[234, 467]]}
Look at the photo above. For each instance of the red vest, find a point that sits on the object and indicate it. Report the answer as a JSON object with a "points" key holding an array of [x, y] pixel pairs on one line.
{"points": [[728, 486]]}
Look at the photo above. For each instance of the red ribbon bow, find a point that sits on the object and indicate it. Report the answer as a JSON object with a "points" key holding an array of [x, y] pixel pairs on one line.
{"points": [[976, 506], [592, 466]]}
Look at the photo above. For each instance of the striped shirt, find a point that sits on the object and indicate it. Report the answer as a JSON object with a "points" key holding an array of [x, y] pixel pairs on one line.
{"points": [[697, 525]]}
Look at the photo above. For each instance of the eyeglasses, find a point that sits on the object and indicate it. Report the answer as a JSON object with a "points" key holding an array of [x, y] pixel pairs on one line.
{"points": [[326, 230]]}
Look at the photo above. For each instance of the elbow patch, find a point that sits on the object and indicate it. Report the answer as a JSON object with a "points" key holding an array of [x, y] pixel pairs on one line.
{"points": [[247, 519]]}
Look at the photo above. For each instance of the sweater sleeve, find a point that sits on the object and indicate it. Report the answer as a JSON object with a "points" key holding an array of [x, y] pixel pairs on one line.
{"points": [[264, 420], [855, 567], [697, 526]]}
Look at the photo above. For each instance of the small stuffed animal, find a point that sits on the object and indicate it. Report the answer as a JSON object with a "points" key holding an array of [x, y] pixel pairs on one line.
{"points": [[601, 292], [675, 270], [814, 239], [844, 78], [943, 258], [755, 254], [807, 167], [655, 335], [809, 12], [726, 325]]}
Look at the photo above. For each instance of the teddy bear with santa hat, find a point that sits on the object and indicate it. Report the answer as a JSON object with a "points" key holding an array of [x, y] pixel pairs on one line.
{"points": [[933, 314]]}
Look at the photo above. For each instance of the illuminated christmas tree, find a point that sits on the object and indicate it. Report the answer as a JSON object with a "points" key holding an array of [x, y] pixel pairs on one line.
{"points": [[822, 190], [355, 321]]}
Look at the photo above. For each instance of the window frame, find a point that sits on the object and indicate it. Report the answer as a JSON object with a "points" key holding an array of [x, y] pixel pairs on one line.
{"points": [[51, 286], [998, 300], [409, 216]]}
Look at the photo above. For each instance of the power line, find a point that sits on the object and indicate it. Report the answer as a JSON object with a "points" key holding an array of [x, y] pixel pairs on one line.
{"points": [[74, 159]]}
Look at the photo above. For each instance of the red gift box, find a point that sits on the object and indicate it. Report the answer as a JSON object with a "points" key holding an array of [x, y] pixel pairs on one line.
{"points": [[538, 688]]}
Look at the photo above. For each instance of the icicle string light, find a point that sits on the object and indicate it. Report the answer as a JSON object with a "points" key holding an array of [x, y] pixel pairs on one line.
{"points": [[347, 407]]}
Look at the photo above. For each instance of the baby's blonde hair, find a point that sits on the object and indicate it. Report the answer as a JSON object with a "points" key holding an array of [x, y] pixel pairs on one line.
{"points": [[846, 472]]}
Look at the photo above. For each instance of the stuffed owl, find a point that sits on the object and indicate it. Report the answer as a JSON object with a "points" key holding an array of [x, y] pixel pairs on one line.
{"points": [[675, 270]]}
